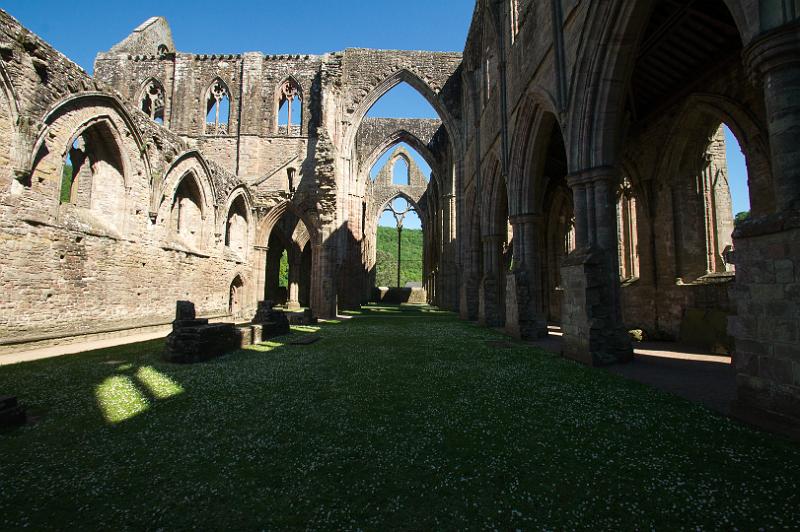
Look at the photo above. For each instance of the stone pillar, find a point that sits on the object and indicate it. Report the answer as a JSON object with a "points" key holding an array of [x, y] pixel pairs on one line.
{"points": [[293, 299], [468, 304], [491, 310], [774, 59], [767, 251], [323, 281], [353, 270], [446, 287], [592, 315], [524, 301]]}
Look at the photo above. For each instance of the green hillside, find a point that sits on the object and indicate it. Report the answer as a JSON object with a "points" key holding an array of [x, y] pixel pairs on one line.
{"points": [[411, 260]]}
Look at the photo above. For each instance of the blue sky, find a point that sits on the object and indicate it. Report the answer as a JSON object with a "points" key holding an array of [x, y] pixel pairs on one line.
{"points": [[85, 27], [737, 173], [82, 28]]}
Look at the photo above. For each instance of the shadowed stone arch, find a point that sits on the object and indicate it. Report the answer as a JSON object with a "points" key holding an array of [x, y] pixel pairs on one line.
{"points": [[706, 109], [488, 200], [531, 138], [606, 58], [266, 223]]}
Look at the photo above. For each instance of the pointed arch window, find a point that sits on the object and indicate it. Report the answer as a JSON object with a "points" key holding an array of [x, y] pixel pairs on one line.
{"points": [[152, 101], [218, 106], [236, 226], [290, 108], [401, 170], [187, 212]]}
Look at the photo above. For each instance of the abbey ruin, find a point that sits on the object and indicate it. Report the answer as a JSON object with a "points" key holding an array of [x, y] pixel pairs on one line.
{"points": [[578, 177]]}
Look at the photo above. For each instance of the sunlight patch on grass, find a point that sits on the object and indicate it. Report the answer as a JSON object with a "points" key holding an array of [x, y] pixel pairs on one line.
{"points": [[160, 385], [120, 399]]}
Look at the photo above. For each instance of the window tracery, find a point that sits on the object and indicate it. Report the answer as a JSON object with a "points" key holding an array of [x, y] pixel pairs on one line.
{"points": [[217, 108], [152, 101], [290, 106]]}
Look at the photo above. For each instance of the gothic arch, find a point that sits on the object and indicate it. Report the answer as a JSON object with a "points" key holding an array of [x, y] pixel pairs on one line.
{"points": [[238, 192], [217, 85], [489, 200], [411, 201], [266, 225], [189, 161], [393, 139], [387, 84], [531, 138], [606, 58], [701, 109], [75, 113], [280, 96]]}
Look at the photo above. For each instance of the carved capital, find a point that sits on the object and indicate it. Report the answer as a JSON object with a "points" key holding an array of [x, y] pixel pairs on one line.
{"points": [[592, 175], [775, 49]]}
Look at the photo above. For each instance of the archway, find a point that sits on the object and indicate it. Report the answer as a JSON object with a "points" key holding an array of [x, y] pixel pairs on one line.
{"points": [[496, 240], [287, 272], [400, 120], [236, 302]]}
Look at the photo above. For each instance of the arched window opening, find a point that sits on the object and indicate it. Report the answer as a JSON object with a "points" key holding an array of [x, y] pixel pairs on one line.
{"points": [[703, 208], [152, 102], [402, 101], [399, 246], [73, 168], [236, 226], [412, 160], [290, 108], [627, 233], [287, 275], [236, 299], [218, 106], [187, 212], [92, 175], [291, 179], [400, 172]]}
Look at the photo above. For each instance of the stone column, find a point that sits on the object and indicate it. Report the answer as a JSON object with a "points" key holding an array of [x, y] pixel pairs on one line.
{"points": [[447, 281], [491, 311], [774, 59], [592, 315], [323, 280], [524, 316], [767, 256], [293, 299]]}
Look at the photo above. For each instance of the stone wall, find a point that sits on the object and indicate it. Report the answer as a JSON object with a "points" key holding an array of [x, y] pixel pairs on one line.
{"points": [[115, 261]]}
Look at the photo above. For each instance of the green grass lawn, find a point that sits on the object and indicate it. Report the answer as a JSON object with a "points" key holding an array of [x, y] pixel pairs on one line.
{"points": [[401, 418]]}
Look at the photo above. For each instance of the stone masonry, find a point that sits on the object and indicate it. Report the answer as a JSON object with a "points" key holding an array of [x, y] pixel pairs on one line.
{"points": [[578, 178]]}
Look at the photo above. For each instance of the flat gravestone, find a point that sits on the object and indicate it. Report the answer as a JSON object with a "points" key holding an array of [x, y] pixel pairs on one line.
{"points": [[305, 340]]}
